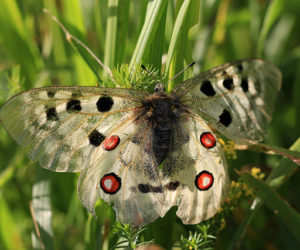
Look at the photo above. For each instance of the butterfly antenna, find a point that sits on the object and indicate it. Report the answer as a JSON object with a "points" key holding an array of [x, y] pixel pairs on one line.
{"points": [[179, 73], [70, 37]]}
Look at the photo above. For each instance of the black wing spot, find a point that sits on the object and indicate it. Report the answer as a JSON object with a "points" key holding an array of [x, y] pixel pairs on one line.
{"points": [[50, 94], [51, 114], [172, 186], [228, 83], [105, 103], [144, 188], [73, 105], [147, 188], [96, 138], [207, 88], [225, 118], [245, 85], [240, 68]]}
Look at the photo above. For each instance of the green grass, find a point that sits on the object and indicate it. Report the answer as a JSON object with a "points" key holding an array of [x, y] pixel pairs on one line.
{"points": [[34, 52]]}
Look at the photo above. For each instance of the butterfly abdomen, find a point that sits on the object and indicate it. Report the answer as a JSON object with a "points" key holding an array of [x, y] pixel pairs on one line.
{"points": [[162, 135]]}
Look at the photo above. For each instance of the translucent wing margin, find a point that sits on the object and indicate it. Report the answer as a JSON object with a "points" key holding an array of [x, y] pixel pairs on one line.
{"points": [[236, 98], [63, 126], [195, 172]]}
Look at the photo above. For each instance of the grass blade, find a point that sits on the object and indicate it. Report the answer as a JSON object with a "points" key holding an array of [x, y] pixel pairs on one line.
{"points": [[147, 34], [276, 178], [267, 148], [296, 91], [154, 52], [15, 37], [273, 13], [74, 17], [88, 56], [182, 54], [116, 31], [180, 20], [42, 213], [9, 231], [278, 39], [279, 206], [55, 46]]}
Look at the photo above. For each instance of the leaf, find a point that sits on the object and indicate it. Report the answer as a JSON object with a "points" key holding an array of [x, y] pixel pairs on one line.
{"points": [[15, 37], [180, 21], [279, 206], [266, 148], [273, 13], [277, 177], [42, 213], [158, 7], [88, 56], [10, 237], [116, 31]]}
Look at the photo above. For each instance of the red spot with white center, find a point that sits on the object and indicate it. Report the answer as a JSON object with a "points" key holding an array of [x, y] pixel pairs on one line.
{"points": [[204, 180], [110, 183], [111, 142], [208, 140]]}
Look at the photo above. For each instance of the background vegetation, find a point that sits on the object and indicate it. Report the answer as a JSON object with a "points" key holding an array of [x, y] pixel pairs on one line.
{"points": [[168, 35]]}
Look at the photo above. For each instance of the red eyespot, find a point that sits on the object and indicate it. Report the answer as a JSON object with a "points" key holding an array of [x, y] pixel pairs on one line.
{"points": [[208, 140], [110, 183], [111, 142], [204, 180]]}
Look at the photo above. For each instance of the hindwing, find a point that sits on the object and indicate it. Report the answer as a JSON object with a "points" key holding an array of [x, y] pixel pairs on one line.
{"points": [[195, 171], [128, 177]]}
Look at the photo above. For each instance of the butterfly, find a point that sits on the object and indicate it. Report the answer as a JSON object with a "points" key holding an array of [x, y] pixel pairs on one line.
{"points": [[144, 152]]}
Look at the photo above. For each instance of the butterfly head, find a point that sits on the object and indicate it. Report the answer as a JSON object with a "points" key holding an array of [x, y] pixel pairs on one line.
{"points": [[159, 88]]}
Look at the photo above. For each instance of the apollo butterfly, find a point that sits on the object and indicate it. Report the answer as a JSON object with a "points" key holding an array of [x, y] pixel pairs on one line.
{"points": [[147, 152]]}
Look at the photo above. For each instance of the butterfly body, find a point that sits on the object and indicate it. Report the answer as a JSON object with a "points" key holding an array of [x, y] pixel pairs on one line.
{"points": [[119, 138], [162, 111]]}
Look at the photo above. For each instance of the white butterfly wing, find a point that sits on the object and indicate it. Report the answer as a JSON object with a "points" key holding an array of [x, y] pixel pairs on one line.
{"points": [[63, 126], [195, 174], [236, 98], [107, 134], [127, 176]]}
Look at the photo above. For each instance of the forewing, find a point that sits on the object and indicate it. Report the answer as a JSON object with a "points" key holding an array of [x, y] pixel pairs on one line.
{"points": [[195, 174], [63, 126], [127, 176], [235, 98]]}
